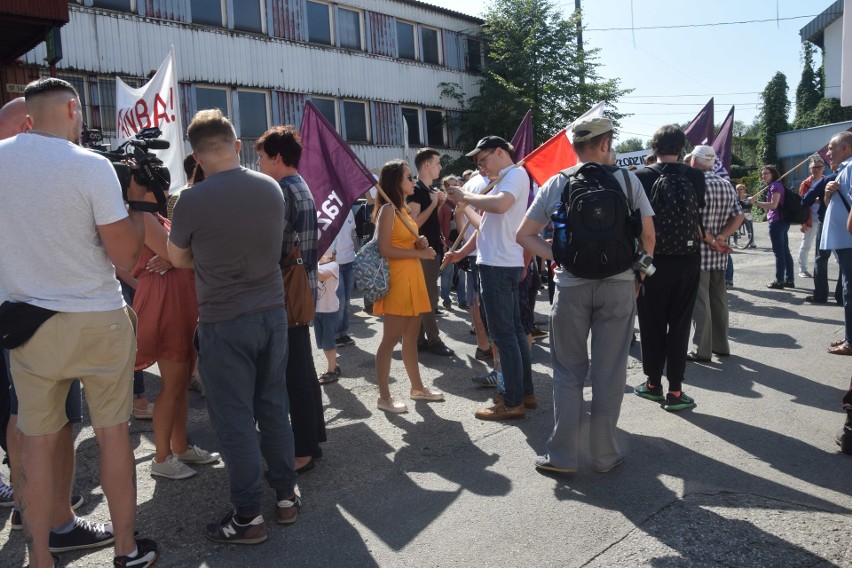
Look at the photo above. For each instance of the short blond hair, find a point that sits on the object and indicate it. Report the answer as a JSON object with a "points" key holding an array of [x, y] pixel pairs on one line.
{"points": [[210, 130]]}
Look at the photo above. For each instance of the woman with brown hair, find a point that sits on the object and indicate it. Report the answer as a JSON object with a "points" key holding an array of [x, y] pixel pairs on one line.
{"points": [[778, 227], [407, 298]]}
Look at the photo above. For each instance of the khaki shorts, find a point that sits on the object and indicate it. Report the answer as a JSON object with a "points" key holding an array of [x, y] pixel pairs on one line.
{"points": [[99, 348]]}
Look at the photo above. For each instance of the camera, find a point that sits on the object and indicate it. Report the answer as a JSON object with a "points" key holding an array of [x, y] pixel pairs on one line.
{"points": [[643, 262], [134, 158]]}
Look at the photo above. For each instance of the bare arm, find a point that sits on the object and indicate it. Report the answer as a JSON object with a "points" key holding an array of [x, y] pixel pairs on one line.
{"points": [[499, 203], [648, 237], [123, 239], [420, 216], [849, 222], [180, 257], [386, 248], [528, 236]]}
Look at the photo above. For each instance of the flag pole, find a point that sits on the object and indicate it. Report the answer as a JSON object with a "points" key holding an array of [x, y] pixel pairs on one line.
{"points": [[384, 195], [788, 172], [484, 190]]}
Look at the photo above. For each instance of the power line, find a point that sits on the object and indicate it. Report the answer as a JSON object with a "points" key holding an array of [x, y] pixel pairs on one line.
{"points": [[691, 95], [712, 24], [684, 104]]}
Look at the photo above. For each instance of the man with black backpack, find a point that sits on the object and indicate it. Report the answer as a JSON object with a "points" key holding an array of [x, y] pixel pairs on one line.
{"points": [[600, 212], [665, 303]]}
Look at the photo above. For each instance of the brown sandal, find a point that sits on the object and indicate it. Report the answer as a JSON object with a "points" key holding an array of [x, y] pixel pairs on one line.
{"points": [[842, 349], [838, 342]]}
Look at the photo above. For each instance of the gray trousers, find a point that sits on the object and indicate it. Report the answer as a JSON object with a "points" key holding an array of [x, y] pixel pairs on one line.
{"points": [[607, 310], [710, 315], [428, 324]]}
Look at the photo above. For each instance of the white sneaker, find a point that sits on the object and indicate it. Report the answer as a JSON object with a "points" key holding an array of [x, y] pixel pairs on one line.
{"points": [[171, 469], [392, 406], [805, 274], [197, 456], [5, 494]]}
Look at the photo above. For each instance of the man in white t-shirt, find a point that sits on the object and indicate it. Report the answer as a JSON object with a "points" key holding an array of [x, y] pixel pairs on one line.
{"points": [[501, 263], [63, 230]]}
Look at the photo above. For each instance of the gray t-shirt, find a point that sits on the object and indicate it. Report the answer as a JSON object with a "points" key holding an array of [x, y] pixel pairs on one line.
{"points": [[53, 197], [233, 222], [549, 198]]}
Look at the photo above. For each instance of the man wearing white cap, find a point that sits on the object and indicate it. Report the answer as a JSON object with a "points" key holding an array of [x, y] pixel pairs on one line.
{"points": [[721, 216]]}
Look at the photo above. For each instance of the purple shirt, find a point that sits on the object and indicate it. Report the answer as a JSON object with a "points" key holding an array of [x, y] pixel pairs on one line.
{"points": [[775, 188]]}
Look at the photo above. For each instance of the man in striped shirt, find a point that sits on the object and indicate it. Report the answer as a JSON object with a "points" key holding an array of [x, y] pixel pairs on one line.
{"points": [[721, 216]]}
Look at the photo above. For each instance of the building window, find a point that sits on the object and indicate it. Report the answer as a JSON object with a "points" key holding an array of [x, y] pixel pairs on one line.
{"points": [[328, 108], [123, 5], [349, 29], [412, 121], [355, 117], [319, 23], [429, 39], [208, 12], [474, 55], [435, 128], [253, 117], [405, 40], [248, 15], [212, 97]]}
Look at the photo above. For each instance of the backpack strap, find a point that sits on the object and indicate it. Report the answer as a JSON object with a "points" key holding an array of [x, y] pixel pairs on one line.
{"points": [[629, 187]]}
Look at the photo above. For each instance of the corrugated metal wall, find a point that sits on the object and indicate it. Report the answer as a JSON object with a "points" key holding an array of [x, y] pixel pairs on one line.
{"points": [[381, 34], [424, 14], [287, 108], [454, 50], [286, 19], [175, 10], [386, 121], [125, 45]]}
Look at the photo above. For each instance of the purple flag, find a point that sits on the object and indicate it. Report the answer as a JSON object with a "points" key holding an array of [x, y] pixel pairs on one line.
{"points": [[722, 145], [333, 172], [523, 138], [700, 130], [823, 152]]}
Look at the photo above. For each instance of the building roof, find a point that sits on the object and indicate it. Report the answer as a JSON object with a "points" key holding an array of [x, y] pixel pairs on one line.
{"points": [[23, 25], [814, 31], [474, 19]]}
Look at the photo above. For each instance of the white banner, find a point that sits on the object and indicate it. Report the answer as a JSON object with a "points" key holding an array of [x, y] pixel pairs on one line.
{"points": [[846, 56], [636, 158], [155, 104]]}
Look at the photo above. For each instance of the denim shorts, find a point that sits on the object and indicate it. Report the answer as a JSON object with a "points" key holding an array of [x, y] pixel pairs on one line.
{"points": [[325, 328]]}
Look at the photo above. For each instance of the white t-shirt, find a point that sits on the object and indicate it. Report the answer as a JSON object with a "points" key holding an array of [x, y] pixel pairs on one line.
{"points": [[54, 194], [475, 184], [496, 242], [344, 245], [327, 302]]}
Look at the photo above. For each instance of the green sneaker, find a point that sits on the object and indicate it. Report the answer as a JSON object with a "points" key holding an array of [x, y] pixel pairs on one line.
{"points": [[674, 403], [651, 393]]}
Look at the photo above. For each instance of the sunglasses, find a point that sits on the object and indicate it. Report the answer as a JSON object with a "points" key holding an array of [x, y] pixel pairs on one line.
{"points": [[411, 177], [481, 162]]}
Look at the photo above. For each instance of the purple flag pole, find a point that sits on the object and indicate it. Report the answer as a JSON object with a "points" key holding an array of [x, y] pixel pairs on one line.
{"points": [[700, 130], [722, 145], [333, 172], [523, 138]]}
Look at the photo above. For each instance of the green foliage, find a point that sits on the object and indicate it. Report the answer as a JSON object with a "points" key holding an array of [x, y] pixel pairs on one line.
{"points": [[773, 117], [630, 145], [532, 62], [827, 111], [809, 92]]}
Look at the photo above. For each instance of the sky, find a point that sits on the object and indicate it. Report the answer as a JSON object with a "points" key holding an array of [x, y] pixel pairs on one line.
{"points": [[674, 72]]}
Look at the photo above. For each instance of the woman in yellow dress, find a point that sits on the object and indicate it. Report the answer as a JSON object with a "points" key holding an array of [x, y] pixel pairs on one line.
{"points": [[407, 298]]}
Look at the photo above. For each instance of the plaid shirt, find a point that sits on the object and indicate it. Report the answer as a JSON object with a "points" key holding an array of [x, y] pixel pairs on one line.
{"points": [[301, 220], [721, 204]]}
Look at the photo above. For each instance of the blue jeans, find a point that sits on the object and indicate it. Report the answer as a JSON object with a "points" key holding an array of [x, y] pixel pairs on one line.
{"points": [[844, 258], [345, 287], [499, 295], [447, 276], [784, 267], [243, 363], [729, 270]]}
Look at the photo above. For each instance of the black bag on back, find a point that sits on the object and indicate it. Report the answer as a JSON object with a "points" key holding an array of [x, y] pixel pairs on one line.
{"points": [[676, 214], [594, 228], [792, 210]]}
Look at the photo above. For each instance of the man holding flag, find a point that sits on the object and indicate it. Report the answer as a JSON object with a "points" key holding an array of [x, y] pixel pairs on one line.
{"points": [[501, 262]]}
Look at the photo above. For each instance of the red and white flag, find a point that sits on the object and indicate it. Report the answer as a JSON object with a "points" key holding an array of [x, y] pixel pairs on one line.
{"points": [[155, 104], [557, 153]]}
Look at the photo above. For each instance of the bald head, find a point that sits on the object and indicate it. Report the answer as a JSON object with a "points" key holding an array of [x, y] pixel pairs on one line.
{"points": [[13, 118]]}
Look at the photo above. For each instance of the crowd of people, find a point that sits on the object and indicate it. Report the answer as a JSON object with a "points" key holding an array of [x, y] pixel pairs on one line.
{"points": [[214, 295]]}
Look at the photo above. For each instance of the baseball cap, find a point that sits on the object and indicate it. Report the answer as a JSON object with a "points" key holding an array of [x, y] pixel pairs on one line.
{"points": [[488, 142], [703, 153], [587, 128]]}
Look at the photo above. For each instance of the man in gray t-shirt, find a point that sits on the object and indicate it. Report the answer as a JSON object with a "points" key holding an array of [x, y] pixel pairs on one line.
{"points": [[229, 229], [605, 308]]}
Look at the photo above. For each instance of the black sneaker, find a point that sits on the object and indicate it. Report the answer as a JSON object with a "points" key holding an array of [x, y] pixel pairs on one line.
{"points": [[789, 285], [651, 393], [674, 403], [17, 520], [76, 502], [146, 555], [844, 440], [229, 531], [343, 341], [775, 285], [85, 534]]}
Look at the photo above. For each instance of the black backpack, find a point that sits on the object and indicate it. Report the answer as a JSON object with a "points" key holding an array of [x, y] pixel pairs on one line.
{"points": [[791, 210], [594, 228], [676, 214]]}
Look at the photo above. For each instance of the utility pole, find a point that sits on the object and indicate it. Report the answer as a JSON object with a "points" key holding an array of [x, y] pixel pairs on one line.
{"points": [[578, 11]]}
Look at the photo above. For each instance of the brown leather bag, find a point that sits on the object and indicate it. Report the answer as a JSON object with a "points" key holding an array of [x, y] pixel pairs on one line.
{"points": [[298, 296]]}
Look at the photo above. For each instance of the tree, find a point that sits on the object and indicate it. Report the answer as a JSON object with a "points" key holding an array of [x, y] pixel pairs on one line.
{"points": [[809, 92], [773, 117], [630, 145], [532, 62]]}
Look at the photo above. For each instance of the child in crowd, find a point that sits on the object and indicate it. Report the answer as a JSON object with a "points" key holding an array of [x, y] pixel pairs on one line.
{"points": [[325, 318]]}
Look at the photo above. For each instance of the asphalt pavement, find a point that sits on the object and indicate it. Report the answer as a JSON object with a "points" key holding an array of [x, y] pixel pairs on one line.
{"points": [[750, 477]]}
